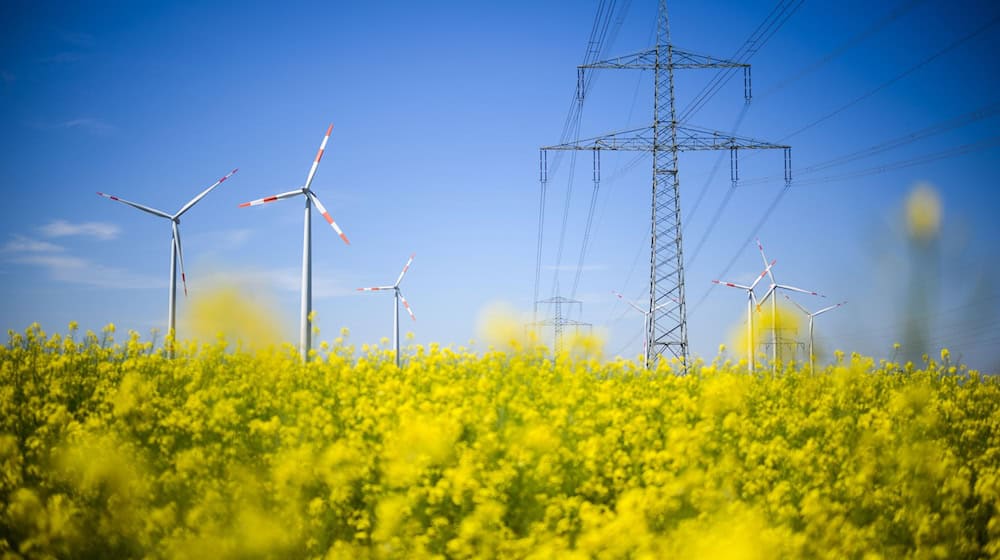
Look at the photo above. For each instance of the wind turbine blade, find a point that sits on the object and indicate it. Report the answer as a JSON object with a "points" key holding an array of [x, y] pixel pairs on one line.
{"points": [[203, 193], [634, 306], [407, 306], [767, 271], [271, 198], [800, 290], [405, 268], [731, 285], [377, 288], [180, 255], [796, 304], [664, 304], [764, 258], [770, 292], [319, 156], [825, 309], [152, 211], [326, 215]]}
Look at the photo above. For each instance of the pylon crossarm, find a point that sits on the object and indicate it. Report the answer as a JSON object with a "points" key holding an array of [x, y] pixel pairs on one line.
{"points": [[685, 59], [646, 60], [643, 60], [636, 140], [691, 139]]}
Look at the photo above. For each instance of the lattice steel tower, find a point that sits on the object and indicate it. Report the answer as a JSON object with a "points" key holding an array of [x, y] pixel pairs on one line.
{"points": [[667, 328], [559, 321]]}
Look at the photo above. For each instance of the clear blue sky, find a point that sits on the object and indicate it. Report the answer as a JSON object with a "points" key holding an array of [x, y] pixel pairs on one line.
{"points": [[439, 109]]}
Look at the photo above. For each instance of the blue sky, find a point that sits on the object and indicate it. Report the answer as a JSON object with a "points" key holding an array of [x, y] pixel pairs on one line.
{"points": [[438, 114]]}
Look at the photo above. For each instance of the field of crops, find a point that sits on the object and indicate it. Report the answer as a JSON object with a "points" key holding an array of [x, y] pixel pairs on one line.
{"points": [[113, 450]]}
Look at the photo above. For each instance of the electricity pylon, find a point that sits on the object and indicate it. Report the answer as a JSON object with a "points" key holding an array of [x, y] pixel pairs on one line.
{"points": [[558, 322], [667, 328]]}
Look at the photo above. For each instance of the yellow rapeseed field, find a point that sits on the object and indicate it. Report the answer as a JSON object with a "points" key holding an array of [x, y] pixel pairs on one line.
{"points": [[113, 450]]}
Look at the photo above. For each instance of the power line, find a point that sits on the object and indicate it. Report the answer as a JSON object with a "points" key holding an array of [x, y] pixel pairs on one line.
{"points": [[951, 46], [774, 21], [888, 329], [844, 47], [920, 160], [753, 233], [571, 126], [933, 130], [924, 62]]}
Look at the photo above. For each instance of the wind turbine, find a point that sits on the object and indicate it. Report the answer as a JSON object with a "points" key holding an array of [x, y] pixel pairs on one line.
{"points": [[774, 306], [646, 315], [751, 301], [812, 316], [397, 297], [175, 245], [305, 325]]}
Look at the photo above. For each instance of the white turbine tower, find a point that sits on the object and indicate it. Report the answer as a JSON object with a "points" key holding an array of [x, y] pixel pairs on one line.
{"points": [[751, 301], [774, 305], [812, 316], [646, 315], [305, 327], [175, 246], [397, 297]]}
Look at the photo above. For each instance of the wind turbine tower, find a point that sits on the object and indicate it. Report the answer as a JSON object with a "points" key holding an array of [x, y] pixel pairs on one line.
{"points": [[397, 297], [305, 323], [751, 303], [812, 317], [176, 253]]}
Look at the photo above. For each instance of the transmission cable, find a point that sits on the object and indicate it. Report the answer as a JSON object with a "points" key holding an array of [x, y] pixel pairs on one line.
{"points": [[953, 45], [933, 130], [844, 47], [751, 46], [571, 126]]}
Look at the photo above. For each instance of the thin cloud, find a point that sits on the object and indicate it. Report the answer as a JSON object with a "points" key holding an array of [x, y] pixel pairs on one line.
{"points": [[77, 38], [572, 267], [86, 124], [77, 270], [100, 230], [89, 124], [221, 239], [22, 244], [285, 280], [66, 57]]}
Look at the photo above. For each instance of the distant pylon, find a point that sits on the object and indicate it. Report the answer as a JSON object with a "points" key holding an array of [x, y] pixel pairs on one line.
{"points": [[559, 321], [667, 327]]}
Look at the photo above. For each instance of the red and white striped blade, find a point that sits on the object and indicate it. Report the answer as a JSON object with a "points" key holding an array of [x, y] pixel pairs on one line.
{"points": [[770, 292], [762, 274], [319, 156], [632, 305], [796, 304], [831, 308], [376, 289], [203, 193], [326, 215], [764, 258], [180, 255], [800, 290], [731, 285], [407, 306], [666, 303], [271, 198], [152, 211], [405, 268]]}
